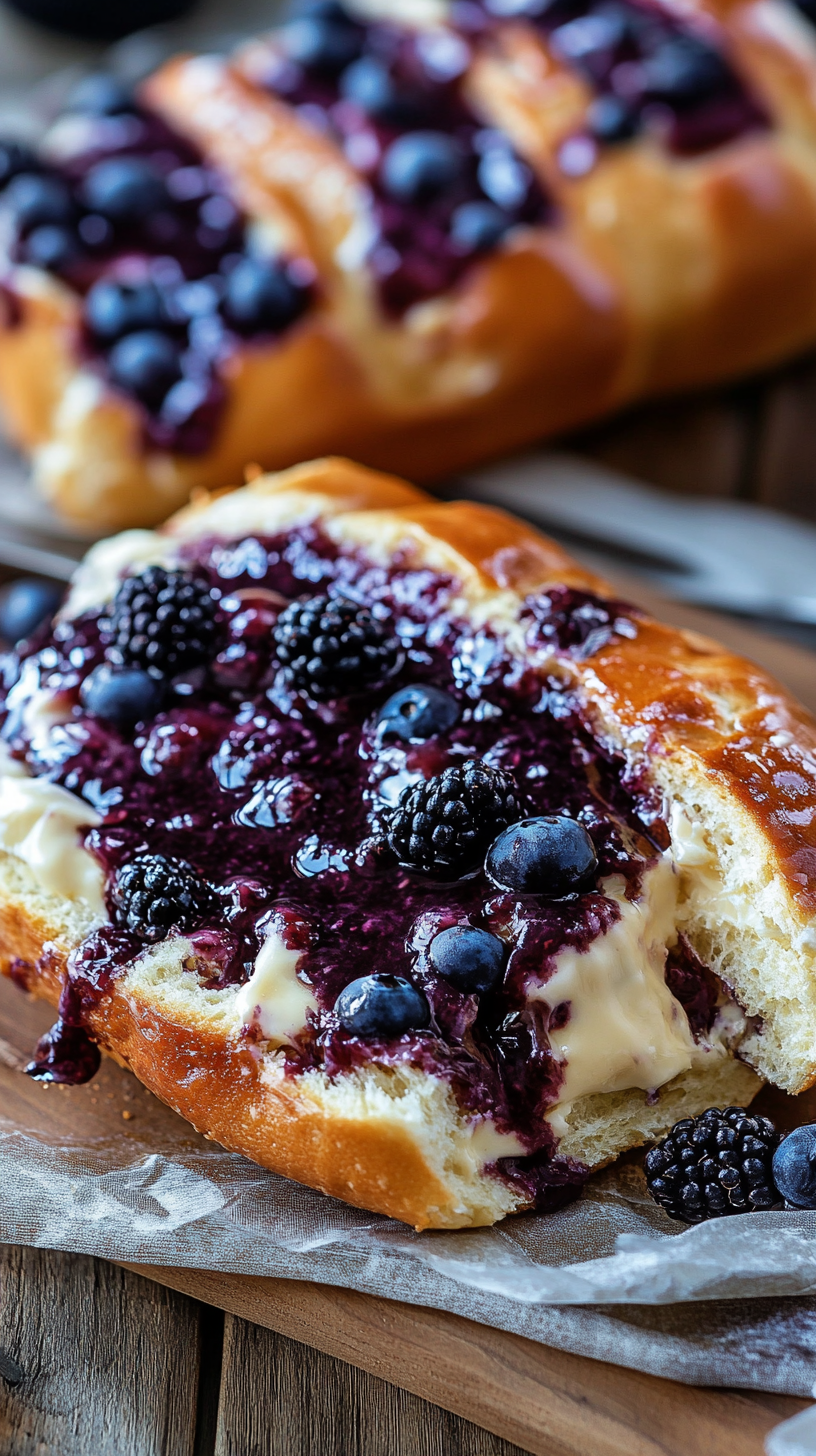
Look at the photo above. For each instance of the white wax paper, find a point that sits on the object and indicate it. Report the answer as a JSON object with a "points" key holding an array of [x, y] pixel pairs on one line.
{"points": [[726, 1303]]}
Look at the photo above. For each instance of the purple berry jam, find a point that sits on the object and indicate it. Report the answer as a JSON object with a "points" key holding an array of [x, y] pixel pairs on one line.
{"points": [[649, 68], [281, 805], [134, 220], [446, 189]]}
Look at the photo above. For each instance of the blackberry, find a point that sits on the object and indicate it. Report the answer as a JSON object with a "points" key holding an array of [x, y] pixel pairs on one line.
{"points": [[164, 621], [154, 894], [444, 825], [715, 1164], [330, 647]]}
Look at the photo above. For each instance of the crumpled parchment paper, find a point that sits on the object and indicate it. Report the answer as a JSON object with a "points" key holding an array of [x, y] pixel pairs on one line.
{"points": [[610, 1277]]}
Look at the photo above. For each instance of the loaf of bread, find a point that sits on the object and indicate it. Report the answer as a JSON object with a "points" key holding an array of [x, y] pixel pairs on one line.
{"points": [[390, 849], [420, 235]]}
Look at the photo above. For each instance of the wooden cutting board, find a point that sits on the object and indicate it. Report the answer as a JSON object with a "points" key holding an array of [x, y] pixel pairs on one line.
{"points": [[544, 1400]]}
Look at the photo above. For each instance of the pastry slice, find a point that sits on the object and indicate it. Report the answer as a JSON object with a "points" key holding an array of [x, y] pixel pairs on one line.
{"points": [[390, 849], [421, 235]]}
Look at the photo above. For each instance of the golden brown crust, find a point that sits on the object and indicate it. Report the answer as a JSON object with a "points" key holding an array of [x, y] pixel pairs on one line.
{"points": [[658, 273], [216, 1085], [663, 694]]}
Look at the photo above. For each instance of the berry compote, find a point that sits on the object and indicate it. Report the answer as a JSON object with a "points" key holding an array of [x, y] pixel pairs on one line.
{"points": [[649, 66], [446, 188], [126, 211], [281, 804]]}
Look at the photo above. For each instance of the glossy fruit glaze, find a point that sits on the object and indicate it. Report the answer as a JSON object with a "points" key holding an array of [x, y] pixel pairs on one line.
{"points": [[421, 244], [649, 68], [162, 229], [281, 803], [371, 85]]}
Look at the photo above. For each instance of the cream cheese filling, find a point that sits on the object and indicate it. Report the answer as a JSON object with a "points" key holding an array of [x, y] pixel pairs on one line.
{"points": [[273, 999], [40, 824], [625, 1029]]}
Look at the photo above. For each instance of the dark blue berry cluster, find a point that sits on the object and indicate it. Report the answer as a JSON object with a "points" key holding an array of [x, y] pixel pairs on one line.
{"points": [[647, 67], [140, 225], [446, 189]]}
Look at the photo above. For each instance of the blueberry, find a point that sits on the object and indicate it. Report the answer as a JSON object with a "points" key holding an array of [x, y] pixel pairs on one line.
{"points": [[36, 200], [610, 120], [14, 159], [124, 189], [261, 298], [52, 247], [100, 94], [418, 712], [794, 1167], [550, 856], [146, 365], [370, 86], [470, 960], [684, 70], [422, 165], [589, 36], [504, 178], [478, 226], [113, 309], [325, 41], [382, 1005], [25, 604], [122, 695]]}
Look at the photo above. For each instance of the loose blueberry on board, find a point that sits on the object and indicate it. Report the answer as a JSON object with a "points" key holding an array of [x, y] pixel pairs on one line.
{"points": [[24, 605], [443, 825], [330, 647], [471, 960], [100, 94], [163, 620], [113, 309], [417, 712], [794, 1167], [123, 696], [325, 40], [382, 1005], [552, 856], [15, 158], [716, 1164], [610, 120], [124, 189], [154, 894], [36, 200], [52, 247], [260, 297], [478, 226], [421, 166], [145, 364]]}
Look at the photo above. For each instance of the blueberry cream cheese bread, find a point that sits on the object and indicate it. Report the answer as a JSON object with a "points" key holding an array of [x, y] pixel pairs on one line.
{"points": [[419, 234], [392, 851]]}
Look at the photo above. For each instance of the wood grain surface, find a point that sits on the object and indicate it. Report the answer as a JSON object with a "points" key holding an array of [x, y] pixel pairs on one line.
{"points": [[546, 1401], [287, 1388], [108, 1362], [754, 440]]}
